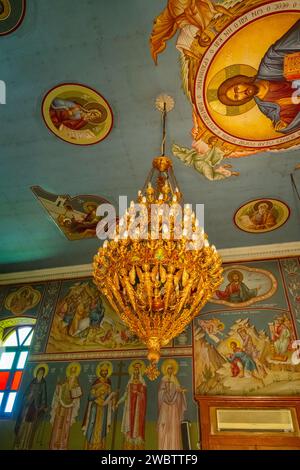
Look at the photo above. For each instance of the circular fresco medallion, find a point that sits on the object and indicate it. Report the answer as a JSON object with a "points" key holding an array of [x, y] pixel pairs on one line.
{"points": [[244, 88], [11, 15], [77, 114], [261, 215]]}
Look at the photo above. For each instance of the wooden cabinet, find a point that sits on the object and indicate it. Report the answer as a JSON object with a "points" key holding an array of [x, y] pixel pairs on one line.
{"points": [[249, 423]]}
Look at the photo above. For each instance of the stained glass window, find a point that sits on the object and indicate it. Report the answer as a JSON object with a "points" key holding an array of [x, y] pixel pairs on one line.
{"points": [[13, 355]]}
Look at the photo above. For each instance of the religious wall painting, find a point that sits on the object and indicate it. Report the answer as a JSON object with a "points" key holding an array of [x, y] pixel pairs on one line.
{"points": [[111, 404], [65, 407], [291, 272], [77, 114], [11, 15], [243, 286], [261, 215], [29, 423], [84, 321], [244, 98], [245, 353], [74, 216], [22, 300]]}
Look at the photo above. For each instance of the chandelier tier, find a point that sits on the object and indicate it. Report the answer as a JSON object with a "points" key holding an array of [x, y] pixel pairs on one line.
{"points": [[159, 270]]}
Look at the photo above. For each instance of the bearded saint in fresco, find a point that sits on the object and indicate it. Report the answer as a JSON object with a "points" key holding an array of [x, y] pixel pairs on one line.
{"points": [[273, 93], [65, 408], [236, 291]]}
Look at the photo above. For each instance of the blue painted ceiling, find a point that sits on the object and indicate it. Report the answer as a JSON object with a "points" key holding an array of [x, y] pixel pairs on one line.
{"points": [[105, 45]]}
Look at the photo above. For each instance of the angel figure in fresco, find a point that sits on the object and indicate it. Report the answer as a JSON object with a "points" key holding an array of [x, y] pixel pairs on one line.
{"points": [[275, 95], [98, 414], [205, 159], [65, 407], [135, 403], [237, 291], [213, 328], [189, 16], [33, 408], [171, 407], [282, 337]]}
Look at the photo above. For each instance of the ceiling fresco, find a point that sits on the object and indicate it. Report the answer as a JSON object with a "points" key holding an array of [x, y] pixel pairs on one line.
{"points": [[89, 72]]}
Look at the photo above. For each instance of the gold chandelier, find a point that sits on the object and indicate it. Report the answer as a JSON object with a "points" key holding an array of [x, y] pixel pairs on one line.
{"points": [[156, 275]]}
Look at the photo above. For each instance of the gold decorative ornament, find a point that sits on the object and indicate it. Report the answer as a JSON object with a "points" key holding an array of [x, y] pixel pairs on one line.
{"points": [[158, 275]]}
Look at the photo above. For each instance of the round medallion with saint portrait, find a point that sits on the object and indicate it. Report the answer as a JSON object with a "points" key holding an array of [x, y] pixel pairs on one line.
{"points": [[250, 99], [77, 114]]}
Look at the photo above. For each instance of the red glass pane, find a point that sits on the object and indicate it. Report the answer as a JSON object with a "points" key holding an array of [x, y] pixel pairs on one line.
{"points": [[3, 380], [16, 380]]}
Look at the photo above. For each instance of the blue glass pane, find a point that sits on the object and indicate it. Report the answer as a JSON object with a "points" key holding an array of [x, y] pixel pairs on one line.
{"points": [[22, 360], [6, 360], [10, 402], [23, 332], [28, 340], [11, 340]]}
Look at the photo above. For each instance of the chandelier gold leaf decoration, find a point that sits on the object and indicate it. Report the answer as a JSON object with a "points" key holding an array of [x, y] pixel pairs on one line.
{"points": [[159, 270]]}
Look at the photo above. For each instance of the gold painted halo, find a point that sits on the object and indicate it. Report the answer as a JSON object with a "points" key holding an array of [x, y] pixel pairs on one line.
{"points": [[88, 204], [167, 363], [106, 364], [71, 366], [218, 79], [39, 366], [233, 340], [136, 362]]}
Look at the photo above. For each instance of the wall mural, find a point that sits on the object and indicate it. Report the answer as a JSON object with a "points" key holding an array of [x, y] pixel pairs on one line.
{"points": [[84, 386], [244, 286], [106, 404], [244, 99], [77, 114], [83, 321], [261, 215], [245, 353], [75, 216], [11, 15], [22, 300]]}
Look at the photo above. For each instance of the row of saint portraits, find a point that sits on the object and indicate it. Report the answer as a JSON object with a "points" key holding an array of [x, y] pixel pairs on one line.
{"points": [[106, 405]]}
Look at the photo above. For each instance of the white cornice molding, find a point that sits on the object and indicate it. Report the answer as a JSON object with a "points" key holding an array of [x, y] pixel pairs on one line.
{"points": [[250, 253]]}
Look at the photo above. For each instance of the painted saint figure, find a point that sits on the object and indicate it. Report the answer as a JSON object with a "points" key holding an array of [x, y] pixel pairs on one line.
{"points": [[236, 291], [135, 402], [272, 92], [72, 115], [98, 414], [65, 407], [242, 362], [171, 408], [32, 411], [252, 351], [281, 337]]}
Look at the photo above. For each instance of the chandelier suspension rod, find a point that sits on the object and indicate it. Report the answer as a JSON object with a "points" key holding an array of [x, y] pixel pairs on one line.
{"points": [[163, 143]]}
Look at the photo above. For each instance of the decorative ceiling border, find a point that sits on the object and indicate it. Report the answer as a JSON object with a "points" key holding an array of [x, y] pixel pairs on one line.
{"points": [[250, 253]]}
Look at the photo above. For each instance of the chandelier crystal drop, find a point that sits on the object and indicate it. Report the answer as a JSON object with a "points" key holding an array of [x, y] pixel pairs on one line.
{"points": [[158, 274]]}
